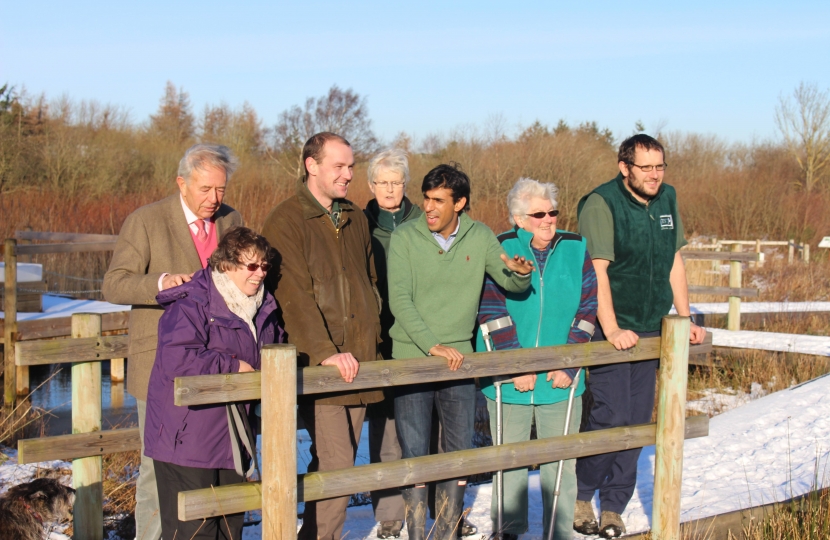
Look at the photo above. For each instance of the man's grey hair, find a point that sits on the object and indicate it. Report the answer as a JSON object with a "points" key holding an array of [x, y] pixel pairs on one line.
{"points": [[200, 156], [525, 190], [394, 160]]}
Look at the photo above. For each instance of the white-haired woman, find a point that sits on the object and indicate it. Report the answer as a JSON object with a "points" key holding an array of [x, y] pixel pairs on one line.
{"points": [[560, 304], [388, 176]]}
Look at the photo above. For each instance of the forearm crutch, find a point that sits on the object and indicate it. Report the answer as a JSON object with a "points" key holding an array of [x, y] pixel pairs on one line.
{"points": [[561, 463], [486, 329]]}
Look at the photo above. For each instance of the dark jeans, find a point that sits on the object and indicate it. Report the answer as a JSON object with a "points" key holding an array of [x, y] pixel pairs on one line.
{"points": [[619, 395], [171, 479], [455, 402]]}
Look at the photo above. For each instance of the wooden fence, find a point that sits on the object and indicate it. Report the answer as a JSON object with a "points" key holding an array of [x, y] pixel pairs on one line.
{"points": [[16, 379], [735, 291], [803, 248], [280, 382]]}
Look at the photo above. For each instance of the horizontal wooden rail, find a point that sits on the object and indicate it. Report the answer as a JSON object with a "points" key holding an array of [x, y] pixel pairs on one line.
{"points": [[58, 351], [40, 249], [78, 445], [207, 389], [720, 256], [62, 326], [205, 503], [746, 292], [64, 237]]}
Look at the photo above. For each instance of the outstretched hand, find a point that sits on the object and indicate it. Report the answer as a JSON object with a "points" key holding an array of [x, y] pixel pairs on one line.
{"points": [[517, 264]]}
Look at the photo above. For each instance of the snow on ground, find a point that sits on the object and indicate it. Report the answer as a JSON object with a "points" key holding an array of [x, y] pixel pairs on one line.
{"points": [[62, 306]]}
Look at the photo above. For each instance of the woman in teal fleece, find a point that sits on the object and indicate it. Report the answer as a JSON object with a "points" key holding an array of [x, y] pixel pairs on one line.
{"points": [[559, 307]]}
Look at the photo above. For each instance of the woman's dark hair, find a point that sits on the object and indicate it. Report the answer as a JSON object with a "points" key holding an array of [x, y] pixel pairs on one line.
{"points": [[629, 147], [235, 243], [451, 177]]}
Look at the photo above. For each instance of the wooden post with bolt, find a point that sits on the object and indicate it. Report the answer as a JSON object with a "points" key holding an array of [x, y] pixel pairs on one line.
{"points": [[671, 426], [9, 321], [734, 316], [279, 442], [87, 474]]}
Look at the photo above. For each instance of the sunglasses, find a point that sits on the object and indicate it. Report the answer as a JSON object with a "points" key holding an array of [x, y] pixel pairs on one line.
{"points": [[253, 267], [541, 215]]}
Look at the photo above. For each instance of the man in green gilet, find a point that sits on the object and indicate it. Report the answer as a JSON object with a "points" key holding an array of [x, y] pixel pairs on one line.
{"points": [[634, 236]]}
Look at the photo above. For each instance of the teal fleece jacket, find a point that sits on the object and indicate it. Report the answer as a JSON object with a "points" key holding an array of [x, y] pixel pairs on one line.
{"points": [[434, 293]]}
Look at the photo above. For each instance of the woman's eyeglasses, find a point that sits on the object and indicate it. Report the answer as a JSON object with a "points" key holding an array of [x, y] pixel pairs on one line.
{"points": [[541, 215], [253, 267]]}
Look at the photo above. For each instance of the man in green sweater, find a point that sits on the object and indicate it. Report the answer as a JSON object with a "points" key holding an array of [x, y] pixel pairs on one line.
{"points": [[436, 267]]}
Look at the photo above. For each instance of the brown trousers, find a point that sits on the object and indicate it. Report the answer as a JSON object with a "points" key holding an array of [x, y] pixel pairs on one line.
{"points": [[335, 434]]}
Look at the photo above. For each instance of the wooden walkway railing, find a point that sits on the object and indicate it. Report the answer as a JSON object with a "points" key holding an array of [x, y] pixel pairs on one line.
{"points": [[16, 379], [734, 291], [280, 382]]}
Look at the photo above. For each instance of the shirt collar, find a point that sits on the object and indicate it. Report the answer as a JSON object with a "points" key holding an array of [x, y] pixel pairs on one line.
{"points": [[188, 213]]}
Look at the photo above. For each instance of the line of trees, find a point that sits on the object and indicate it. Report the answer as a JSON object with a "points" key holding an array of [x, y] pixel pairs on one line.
{"points": [[84, 151]]}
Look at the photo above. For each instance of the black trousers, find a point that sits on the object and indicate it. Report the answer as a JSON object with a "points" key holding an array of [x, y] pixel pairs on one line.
{"points": [[618, 395], [171, 479]]}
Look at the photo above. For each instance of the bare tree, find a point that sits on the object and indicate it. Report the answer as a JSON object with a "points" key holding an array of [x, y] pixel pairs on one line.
{"points": [[340, 111], [804, 121]]}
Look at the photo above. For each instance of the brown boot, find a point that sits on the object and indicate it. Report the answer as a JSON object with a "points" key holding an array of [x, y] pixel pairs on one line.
{"points": [[611, 525], [585, 521]]}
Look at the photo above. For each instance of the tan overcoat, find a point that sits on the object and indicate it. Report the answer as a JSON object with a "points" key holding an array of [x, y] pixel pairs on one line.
{"points": [[326, 286], [153, 240]]}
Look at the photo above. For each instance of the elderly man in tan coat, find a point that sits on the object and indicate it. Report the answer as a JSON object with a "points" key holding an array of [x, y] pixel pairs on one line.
{"points": [[160, 246], [326, 289]]}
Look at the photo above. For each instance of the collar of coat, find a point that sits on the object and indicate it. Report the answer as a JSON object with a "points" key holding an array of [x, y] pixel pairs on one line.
{"points": [[466, 223], [312, 207], [373, 210]]}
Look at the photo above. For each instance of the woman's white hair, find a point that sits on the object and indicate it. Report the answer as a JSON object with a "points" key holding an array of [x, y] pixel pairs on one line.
{"points": [[201, 156], [393, 159], [525, 190]]}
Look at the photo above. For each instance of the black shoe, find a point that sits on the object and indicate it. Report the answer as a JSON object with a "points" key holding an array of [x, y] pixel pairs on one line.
{"points": [[611, 525], [449, 502], [390, 529], [585, 521]]}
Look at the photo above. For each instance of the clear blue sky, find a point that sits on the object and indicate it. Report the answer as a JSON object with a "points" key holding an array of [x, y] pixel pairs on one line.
{"points": [[428, 67]]}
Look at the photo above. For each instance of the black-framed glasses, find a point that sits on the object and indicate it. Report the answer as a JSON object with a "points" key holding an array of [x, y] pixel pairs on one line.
{"points": [[253, 267], [649, 168], [541, 215]]}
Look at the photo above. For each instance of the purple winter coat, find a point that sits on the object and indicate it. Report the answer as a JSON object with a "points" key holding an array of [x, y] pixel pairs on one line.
{"points": [[198, 335]]}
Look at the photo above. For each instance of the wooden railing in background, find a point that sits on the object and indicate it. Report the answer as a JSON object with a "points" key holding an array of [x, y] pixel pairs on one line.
{"points": [[16, 379]]}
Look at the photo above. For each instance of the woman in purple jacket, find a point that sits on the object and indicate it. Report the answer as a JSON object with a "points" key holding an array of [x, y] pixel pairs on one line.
{"points": [[215, 323]]}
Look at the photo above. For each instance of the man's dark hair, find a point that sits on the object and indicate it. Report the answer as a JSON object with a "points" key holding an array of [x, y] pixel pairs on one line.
{"points": [[314, 147], [451, 177], [629, 147]]}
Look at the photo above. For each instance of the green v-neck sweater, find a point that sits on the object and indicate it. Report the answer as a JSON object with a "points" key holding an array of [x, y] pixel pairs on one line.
{"points": [[434, 293]]}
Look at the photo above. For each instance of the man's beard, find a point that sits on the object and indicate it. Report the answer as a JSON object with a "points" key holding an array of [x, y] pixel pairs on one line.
{"points": [[640, 192]]}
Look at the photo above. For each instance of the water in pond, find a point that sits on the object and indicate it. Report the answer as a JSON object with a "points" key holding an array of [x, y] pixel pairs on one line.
{"points": [[118, 406]]}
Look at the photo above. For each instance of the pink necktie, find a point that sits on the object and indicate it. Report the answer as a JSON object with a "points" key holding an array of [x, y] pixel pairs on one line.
{"points": [[201, 234]]}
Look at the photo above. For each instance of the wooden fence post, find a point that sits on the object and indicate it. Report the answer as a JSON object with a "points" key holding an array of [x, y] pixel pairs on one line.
{"points": [[806, 252], [117, 370], [759, 263], [671, 426], [10, 321], [790, 251], [734, 317], [87, 474], [279, 442], [22, 378]]}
